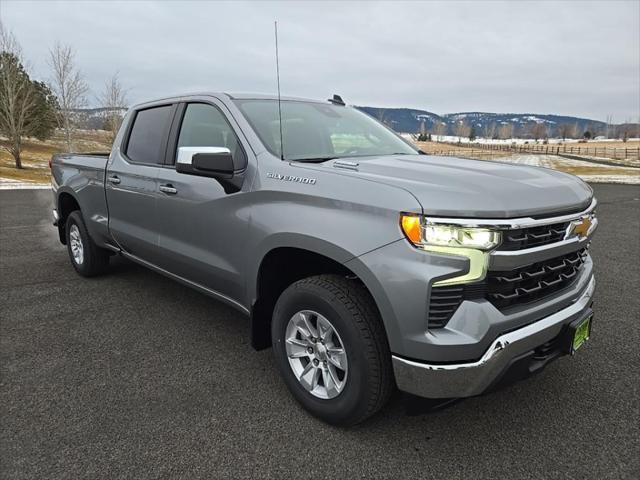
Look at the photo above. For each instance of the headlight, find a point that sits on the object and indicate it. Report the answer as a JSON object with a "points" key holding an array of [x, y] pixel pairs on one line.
{"points": [[472, 243], [422, 232]]}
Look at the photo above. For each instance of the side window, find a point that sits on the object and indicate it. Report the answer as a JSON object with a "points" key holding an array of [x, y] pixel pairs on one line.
{"points": [[148, 135], [205, 126]]}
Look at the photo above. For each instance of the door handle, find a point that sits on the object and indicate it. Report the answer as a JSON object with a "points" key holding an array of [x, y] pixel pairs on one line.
{"points": [[168, 189], [114, 179]]}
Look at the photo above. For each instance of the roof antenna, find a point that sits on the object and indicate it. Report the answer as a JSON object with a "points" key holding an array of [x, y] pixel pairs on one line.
{"points": [[279, 103]]}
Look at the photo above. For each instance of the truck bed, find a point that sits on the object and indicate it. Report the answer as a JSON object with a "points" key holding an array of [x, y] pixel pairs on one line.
{"points": [[90, 159], [82, 176]]}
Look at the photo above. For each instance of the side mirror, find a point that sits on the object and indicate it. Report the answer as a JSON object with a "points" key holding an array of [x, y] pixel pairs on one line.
{"points": [[215, 162]]}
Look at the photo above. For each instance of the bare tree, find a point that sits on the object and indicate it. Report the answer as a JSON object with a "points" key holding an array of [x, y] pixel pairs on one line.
{"points": [[625, 133], [18, 96], [462, 130], [489, 130], [506, 131], [538, 131], [628, 130], [113, 99], [440, 129], [69, 86], [566, 130], [609, 127]]}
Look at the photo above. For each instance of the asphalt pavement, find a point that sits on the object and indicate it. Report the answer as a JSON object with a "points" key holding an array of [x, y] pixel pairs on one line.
{"points": [[132, 375]]}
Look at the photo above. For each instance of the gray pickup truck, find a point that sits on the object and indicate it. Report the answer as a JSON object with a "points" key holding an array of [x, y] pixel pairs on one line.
{"points": [[364, 263]]}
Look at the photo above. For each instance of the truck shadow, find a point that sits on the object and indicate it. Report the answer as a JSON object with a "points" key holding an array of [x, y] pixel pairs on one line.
{"points": [[416, 406], [229, 334]]}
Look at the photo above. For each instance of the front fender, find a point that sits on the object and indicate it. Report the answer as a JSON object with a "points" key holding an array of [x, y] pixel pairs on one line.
{"points": [[290, 240], [399, 276]]}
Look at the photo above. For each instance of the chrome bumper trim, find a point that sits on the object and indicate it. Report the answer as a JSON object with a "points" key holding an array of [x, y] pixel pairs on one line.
{"points": [[473, 378]]}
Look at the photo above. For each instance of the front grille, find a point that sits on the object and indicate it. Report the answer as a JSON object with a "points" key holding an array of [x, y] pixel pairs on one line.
{"points": [[533, 282], [445, 301], [508, 289], [533, 236]]}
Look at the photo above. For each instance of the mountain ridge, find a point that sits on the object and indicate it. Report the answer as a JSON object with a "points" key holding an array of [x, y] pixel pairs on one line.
{"points": [[413, 120]]}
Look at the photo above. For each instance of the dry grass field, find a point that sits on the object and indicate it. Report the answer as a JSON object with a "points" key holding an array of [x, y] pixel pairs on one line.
{"points": [[437, 148], [588, 171], [602, 144], [36, 154], [616, 152]]}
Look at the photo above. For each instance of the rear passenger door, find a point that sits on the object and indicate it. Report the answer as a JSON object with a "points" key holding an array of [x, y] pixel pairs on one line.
{"points": [[132, 185], [202, 230]]}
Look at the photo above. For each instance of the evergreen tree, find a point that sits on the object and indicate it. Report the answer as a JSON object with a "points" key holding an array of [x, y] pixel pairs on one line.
{"points": [[27, 107], [46, 107]]}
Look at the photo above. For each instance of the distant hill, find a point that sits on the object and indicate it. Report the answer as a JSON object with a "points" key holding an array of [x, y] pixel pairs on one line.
{"points": [[96, 118], [405, 120], [408, 120]]}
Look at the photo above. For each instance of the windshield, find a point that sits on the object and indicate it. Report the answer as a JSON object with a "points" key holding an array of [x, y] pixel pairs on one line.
{"points": [[317, 132]]}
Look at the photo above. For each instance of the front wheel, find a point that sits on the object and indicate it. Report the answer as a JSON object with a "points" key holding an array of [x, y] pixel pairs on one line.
{"points": [[331, 349]]}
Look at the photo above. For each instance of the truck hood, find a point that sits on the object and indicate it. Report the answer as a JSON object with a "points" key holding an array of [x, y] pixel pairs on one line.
{"points": [[456, 187]]}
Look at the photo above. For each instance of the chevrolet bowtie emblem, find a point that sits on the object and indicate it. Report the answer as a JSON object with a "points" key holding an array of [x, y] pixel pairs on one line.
{"points": [[579, 228]]}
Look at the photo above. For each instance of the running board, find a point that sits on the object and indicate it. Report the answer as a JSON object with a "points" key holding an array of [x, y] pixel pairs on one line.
{"points": [[207, 291]]}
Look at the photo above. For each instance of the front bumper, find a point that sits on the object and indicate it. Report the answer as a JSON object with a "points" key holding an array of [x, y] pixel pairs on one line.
{"points": [[473, 378]]}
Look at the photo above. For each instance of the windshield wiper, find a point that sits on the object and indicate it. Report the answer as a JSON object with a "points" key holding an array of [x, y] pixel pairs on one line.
{"points": [[324, 159], [312, 160], [417, 152]]}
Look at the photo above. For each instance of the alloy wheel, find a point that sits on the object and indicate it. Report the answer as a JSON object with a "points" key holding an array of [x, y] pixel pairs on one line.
{"points": [[316, 354], [77, 249]]}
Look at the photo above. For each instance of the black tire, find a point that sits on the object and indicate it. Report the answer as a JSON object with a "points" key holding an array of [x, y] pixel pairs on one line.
{"points": [[94, 259], [351, 310]]}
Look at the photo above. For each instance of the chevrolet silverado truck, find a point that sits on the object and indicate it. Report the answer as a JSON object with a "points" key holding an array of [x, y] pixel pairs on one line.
{"points": [[366, 264]]}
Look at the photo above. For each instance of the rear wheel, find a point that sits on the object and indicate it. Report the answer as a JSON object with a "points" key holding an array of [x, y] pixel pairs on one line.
{"points": [[331, 349], [86, 257]]}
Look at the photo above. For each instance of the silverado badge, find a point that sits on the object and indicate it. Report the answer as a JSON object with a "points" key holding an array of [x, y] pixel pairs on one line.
{"points": [[292, 178]]}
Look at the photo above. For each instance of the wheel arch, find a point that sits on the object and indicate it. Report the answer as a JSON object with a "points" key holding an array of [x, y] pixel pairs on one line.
{"points": [[280, 266], [66, 203]]}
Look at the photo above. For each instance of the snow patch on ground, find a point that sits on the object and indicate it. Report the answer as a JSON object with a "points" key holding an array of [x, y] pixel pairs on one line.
{"points": [[536, 160], [555, 162], [626, 179], [11, 184], [521, 141], [615, 161]]}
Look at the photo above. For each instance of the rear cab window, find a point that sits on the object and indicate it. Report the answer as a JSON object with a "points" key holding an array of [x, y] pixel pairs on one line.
{"points": [[148, 135]]}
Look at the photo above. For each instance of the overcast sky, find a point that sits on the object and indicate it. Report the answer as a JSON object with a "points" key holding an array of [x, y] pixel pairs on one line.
{"points": [[572, 58]]}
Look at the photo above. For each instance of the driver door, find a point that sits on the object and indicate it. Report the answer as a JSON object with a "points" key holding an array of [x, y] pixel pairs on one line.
{"points": [[201, 228]]}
